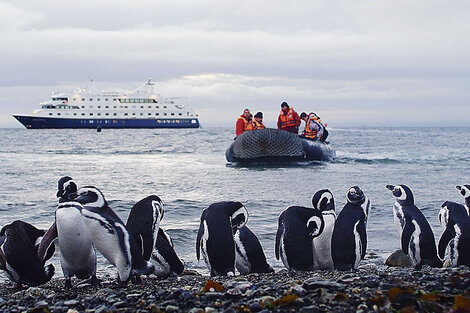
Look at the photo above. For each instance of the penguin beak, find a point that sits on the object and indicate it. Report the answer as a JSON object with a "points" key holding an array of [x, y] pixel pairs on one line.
{"points": [[458, 187], [390, 187], [60, 193]]}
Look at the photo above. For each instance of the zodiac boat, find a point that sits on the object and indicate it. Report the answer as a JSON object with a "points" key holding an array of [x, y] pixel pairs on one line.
{"points": [[276, 146]]}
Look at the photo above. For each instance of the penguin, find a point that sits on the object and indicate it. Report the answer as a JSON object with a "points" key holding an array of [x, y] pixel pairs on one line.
{"points": [[18, 254], [66, 188], [143, 224], [164, 256], [465, 192], [77, 252], [297, 226], [249, 255], [109, 234], [416, 236], [454, 219], [323, 200], [349, 238], [215, 236]]}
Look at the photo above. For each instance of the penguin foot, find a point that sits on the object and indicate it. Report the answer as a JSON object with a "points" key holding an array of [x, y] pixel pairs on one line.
{"points": [[68, 283], [94, 281]]}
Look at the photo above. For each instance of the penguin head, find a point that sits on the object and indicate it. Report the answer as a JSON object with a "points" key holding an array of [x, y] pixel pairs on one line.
{"points": [[403, 193], [158, 211], [315, 225], [355, 195], [323, 200], [464, 190], [451, 213], [90, 196], [444, 215], [66, 187], [240, 216]]}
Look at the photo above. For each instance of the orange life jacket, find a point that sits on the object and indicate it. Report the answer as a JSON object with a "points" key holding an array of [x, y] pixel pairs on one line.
{"points": [[249, 126], [287, 120], [258, 125], [311, 133]]}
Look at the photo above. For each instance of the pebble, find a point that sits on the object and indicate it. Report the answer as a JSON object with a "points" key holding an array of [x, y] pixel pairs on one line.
{"points": [[171, 308], [313, 283]]}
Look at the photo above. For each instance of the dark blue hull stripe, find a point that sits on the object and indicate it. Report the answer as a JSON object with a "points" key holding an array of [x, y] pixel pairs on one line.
{"points": [[34, 122]]}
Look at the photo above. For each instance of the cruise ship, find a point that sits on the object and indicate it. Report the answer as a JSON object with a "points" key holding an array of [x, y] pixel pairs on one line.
{"points": [[139, 108]]}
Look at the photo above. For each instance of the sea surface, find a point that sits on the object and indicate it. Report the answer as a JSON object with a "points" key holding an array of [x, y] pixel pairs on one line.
{"points": [[187, 169]]}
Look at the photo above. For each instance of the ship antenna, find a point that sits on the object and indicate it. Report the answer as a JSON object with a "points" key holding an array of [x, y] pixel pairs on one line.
{"points": [[149, 82]]}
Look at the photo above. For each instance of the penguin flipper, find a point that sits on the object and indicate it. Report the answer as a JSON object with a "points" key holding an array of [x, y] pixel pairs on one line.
{"points": [[147, 245], [406, 233], [361, 229], [47, 241], [280, 230], [446, 237], [198, 241]]}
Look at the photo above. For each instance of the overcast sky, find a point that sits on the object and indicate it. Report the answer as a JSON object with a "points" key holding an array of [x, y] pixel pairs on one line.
{"points": [[353, 62]]}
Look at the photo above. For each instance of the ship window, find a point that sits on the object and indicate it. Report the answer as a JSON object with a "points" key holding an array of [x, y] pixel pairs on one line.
{"points": [[99, 107], [164, 106], [150, 114], [172, 114], [75, 114], [115, 107], [107, 107], [141, 114], [91, 114], [126, 114], [91, 99], [83, 106], [125, 107], [164, 114], [98, 114], [180, 114], [83, 113], [106, 114], [150, 106], [114, 99], [98, 99], [83, 99], [114, 114], [74, 99], [50, 113], [133, 114], [157, 113], [105, 99], [58, 113], [141, 106], [157, 107]]}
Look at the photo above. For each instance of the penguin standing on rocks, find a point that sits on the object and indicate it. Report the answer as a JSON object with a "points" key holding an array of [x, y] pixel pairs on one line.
{"points": [[18, 254], [323, 200], [77, 252], [349, 239], [454, 219], [465, 192], [143, 224], [250, 257], [164, 256], [416, 236], [215, 236], [297, 227], [109, 235]]}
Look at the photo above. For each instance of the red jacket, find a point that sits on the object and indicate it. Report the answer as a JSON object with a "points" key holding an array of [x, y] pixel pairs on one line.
{"points": [[292, 124], [241, 125]]}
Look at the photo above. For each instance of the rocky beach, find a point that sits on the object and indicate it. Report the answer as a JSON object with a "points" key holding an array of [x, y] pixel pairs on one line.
{"points": [[368, 289]]}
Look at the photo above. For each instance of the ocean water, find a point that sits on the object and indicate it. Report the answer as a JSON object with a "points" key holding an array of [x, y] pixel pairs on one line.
{"points": [[188, 171]]}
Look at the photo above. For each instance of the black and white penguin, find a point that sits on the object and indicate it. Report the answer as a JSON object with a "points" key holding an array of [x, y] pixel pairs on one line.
{"points": [[164, 256], [109, 234], [77, 253], [349, 239], [416, 236], [454, 219], [19, 242], [249, 254], [215, 237], [143, 224], [66, 188], [297, 226], [465, 192], [323, 200]]}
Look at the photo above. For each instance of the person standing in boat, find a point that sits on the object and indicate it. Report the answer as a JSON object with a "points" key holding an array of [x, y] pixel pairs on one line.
{"points": [[314, 129], [258, 121], [243, 122], [288, 119]]}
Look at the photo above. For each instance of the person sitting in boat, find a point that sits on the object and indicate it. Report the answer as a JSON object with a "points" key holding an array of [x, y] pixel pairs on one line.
{"points": [[288, 119], [243, 122], [258, 121], [314, 129]]}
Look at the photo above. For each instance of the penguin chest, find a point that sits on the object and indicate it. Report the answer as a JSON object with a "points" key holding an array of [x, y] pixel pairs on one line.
{"points": [[322, 245], [398, 218], [414, 245], [241, 257], [455, 245]]}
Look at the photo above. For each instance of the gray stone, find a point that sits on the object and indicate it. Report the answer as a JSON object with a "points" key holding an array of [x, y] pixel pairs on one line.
{"points": [[71, 302], [310, 309], [255, 307], [313, 283], [399, 259], [171, 308]]}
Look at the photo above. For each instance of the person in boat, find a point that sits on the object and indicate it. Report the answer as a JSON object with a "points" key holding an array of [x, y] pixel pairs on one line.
{"points": [[288, 119], [243, 122], [258, 121], [314, 128]]}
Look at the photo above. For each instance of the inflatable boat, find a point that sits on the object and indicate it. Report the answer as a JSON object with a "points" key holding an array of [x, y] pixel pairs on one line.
{"points": [[276, 146]]}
